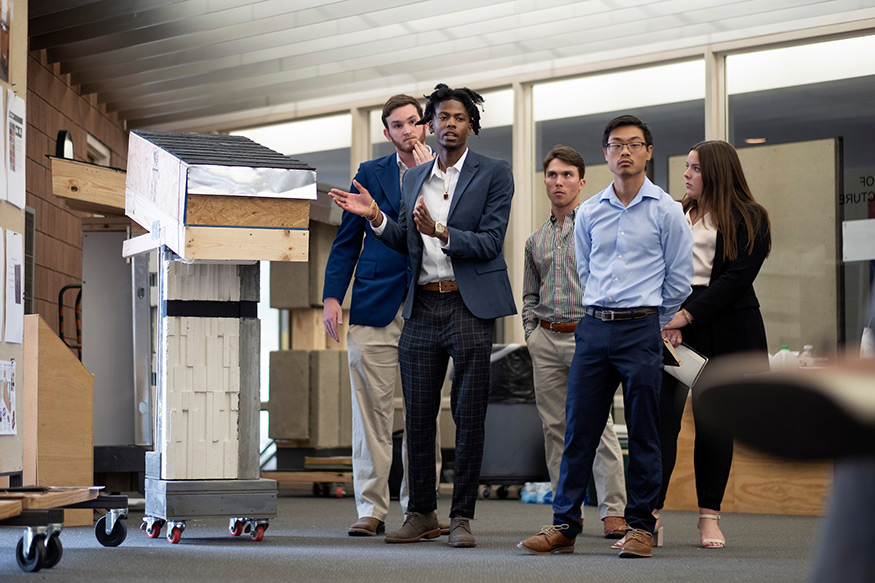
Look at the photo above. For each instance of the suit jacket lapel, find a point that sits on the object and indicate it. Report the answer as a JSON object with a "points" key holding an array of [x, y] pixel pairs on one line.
{"points": [[388, 177], [472, 164]]}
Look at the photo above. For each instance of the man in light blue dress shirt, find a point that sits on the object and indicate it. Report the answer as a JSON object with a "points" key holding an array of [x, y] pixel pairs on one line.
{"points": [[635, 261]]}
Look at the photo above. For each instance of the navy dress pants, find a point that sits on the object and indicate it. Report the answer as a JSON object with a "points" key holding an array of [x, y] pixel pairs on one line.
{"points": [[607, 354]]}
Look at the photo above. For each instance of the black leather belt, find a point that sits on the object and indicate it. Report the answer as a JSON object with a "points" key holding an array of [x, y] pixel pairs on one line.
{"points": [[620, 314]]}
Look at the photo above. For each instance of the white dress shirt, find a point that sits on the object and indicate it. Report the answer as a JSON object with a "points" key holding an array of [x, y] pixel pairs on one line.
{"points": [[436, 265]]}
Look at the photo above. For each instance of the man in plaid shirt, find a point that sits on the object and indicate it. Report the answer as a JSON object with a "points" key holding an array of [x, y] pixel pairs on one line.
{"points": [[552, 306]]}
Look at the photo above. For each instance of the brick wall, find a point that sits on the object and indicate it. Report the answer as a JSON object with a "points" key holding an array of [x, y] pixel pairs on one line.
{"points": [[54, 105]]}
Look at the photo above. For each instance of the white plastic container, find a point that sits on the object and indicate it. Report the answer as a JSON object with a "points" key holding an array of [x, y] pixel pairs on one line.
{"points": [[784, 359]]}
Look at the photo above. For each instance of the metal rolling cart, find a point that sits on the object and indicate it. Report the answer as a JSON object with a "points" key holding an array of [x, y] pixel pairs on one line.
{"points": [[40, 511], [215, 206]]}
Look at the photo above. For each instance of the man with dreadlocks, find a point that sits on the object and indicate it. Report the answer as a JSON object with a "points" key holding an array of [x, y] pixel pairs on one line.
{"points": [[452, 223]]}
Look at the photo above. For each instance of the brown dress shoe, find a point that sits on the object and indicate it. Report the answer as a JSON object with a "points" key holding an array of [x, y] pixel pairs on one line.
{"points": [[445, 527], [639, 544], [615, 526], [549, 541], [460, 533], [367, 526], [416, 527]]}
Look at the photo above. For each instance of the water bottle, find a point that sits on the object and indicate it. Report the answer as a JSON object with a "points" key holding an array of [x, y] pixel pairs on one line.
{"points": [[542, 491], [527, 494], [807, 356]]}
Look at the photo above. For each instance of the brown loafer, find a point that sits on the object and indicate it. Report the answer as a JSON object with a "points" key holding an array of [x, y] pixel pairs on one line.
{"points": [[549, 541], [445, 527], [638, 545], [367, 526], [615, 526]]}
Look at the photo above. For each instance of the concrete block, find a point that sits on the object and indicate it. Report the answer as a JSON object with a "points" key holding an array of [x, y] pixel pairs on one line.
{"points": [[325, 384], [289, 404]]}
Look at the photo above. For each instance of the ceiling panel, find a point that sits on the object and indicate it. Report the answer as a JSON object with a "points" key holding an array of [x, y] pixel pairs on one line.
{"points": [[181, 64]]}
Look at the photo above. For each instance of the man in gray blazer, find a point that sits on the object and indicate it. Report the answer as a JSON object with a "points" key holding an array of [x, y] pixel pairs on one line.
{"points": [[452, 224]]}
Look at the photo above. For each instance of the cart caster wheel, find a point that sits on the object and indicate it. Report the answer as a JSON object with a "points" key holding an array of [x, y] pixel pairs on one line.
{"points": [[54, 551], [35, 558], [116, 537], [154, 531], [338, 490], [486, 492], [174, 535], [235, 527], [317, 489], [502, 492], [257, 533]]}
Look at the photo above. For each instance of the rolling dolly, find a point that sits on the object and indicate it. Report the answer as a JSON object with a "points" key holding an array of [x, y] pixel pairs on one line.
{"points": [[40, 510]]}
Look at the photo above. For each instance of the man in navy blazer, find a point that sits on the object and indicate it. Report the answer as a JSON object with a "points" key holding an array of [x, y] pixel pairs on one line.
{"points": [[452, 223], [381, 280]]}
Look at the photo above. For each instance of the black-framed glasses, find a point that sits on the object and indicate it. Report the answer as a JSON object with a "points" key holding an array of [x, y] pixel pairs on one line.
{"points": [[634, 147]]}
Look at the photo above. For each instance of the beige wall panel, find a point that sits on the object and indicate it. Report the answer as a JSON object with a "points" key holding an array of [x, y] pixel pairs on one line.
{"points": [[798, 284]]}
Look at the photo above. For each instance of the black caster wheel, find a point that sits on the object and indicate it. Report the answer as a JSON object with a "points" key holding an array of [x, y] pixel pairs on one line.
{"points": [[502, 492], [114, 538], [54, 551], [35, 558]]}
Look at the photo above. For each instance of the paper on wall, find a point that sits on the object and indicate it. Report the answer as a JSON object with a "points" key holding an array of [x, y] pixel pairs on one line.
{"points": [[7, 398], [14, 287], [15, 150]]}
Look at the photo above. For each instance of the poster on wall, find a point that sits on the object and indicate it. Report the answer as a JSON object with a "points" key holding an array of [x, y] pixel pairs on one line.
{"points": [[7, 397], [15, 116], [14, 287], [3, 186], [5, 26]]}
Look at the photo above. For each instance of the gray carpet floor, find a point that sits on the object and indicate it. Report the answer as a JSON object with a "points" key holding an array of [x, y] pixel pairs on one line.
{"points": [[308, 542]]}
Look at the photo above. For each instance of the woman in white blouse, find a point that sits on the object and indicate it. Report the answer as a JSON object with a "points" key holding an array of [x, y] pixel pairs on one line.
{"points": [[731, 239]]}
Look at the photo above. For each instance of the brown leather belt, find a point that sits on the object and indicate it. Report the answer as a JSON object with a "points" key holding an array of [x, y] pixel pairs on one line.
{"points": [[440, 286], [563, 327], [620, 314]]}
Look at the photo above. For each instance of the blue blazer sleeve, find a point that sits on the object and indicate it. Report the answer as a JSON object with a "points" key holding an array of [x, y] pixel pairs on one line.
{"points": [[381, 275]]}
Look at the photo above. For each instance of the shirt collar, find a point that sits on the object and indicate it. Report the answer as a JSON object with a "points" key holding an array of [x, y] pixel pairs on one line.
{"points": [[572, 214], [648, 189], [436, 169]]}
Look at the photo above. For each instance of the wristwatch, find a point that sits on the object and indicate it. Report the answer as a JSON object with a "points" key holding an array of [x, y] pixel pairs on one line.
{"points": [[439, 229]]}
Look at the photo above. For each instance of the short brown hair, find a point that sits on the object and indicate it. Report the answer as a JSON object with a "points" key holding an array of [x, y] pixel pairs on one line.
{"points": [[397, 101], [567, 155]]}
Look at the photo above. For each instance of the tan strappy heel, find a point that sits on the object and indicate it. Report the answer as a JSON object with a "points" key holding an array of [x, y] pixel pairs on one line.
{"points": [[711, 543]]}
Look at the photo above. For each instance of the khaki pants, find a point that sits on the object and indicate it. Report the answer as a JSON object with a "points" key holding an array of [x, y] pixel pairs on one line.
{"points": [[373, 370]]}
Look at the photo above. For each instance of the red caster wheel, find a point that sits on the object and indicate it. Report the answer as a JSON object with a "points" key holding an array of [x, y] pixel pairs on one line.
{"points": [[174, 535], [235, 527], [154, 531], [338, 491], [257, 533]]}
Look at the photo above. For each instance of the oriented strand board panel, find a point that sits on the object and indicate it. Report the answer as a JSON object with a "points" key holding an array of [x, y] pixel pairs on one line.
{"points": [[58, 414], [798, 284], [89, 187], [247, 211], [758, 483]]}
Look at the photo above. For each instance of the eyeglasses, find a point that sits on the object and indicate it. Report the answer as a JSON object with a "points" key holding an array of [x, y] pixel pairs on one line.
{"points": [[634, 147]]}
